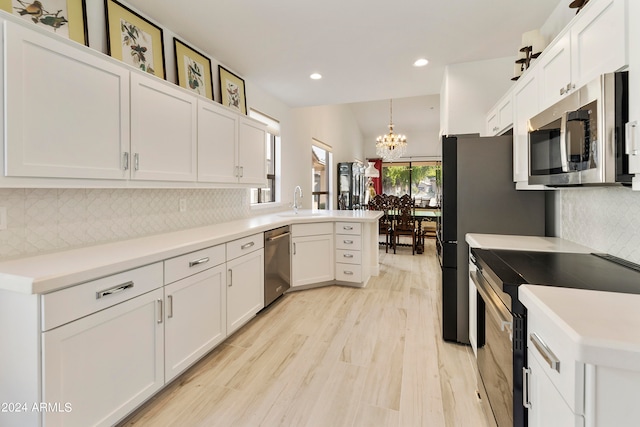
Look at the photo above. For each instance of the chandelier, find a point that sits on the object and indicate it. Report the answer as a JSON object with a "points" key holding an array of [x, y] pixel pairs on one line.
{"points": [[391, 146]]}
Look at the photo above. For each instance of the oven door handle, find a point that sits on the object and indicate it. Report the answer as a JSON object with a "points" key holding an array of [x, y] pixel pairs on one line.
{"points": [[493, 303]]}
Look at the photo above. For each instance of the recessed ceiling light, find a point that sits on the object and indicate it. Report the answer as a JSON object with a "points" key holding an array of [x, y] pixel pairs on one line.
{"points": [[420, 62], [316, 76]]}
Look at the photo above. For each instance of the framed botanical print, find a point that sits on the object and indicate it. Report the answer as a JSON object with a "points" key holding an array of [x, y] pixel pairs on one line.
{"points": [[232, 90], [193, 69], [133, 39], [67, 18]]}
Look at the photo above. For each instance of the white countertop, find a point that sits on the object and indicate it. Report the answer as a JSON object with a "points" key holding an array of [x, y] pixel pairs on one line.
{"points": [[601, 327], [53, 271], [524, 243]]}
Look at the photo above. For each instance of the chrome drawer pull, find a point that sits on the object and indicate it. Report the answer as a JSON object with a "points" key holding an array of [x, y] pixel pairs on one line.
{"points": [[198, 261], [247, 245], [169, 306], [160, 314], [545, 352], [348, 242], [116, 289], [347, 227], [348, 255], [348, 273]]}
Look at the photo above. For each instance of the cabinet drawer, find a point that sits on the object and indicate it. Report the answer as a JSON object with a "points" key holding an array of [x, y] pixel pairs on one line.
{"points": [[349, 242], [569, 377], [185, 265], [314, 229], [348, 272], [244, 246], [72, 303], [348, 257], [348, 228]]}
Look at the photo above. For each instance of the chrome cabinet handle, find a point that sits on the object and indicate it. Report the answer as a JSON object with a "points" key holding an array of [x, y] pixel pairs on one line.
{"points": [[347, 255], [136, 161], [114, 290], [347, 227], [545, 351], [169, 306], [526, 384], [294, 248], [348, 242], [125, 161], [160, 314], [562, 91], [630, 138], [247, 245], [198, 261], [230, 278], [241, 171], [348, 273]]}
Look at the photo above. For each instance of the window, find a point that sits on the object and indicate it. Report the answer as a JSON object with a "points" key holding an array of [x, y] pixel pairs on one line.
{"points": [[268, 194], [418, 179], [321, 158]]}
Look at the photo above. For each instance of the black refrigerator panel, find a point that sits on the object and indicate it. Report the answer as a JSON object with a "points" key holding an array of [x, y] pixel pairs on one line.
{"points": [[479, 196]]}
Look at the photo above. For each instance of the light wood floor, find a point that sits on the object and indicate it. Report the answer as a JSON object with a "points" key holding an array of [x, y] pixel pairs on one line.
{"points": [[334, 356]]}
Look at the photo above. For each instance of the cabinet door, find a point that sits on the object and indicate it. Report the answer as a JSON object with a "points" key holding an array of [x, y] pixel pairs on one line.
{"points": [[217, 143], [548, 408], [492, 123], [245, 289], [195, 318], [312, 260], [106, 364], [252, 152], [525, 100], [633, 141], [163, 130], [554, 72], [505, 114], [66, 111], [599, 41]]}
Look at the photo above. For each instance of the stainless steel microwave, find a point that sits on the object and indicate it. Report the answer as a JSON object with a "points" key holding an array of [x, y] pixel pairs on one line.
{"points": [[580, 139]]}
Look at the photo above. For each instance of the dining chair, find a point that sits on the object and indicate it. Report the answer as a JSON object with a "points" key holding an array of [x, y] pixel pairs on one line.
{"points": [[405, 222], [379, 203]]}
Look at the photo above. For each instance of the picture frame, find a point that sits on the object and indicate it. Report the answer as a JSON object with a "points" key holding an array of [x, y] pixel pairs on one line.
{"points": [[134, 40], [193, 69], [67, 18], [232, 90]]}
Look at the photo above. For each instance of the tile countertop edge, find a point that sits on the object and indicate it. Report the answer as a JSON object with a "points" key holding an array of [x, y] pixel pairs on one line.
{"points": [[45, 273], [524, 243], [601, 327]]}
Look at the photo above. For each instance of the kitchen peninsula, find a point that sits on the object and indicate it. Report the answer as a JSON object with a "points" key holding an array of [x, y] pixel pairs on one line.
{"points": [[113, 320]]}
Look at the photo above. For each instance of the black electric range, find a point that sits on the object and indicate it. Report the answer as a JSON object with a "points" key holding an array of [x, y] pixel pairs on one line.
{"points": [[502, 271], [598, 272]]}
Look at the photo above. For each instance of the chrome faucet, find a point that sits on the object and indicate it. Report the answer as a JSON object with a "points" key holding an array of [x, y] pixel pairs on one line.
{"points": [[295, 201]]}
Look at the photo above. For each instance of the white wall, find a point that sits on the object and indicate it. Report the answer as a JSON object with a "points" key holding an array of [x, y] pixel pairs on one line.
{"points": [[470, 90]]}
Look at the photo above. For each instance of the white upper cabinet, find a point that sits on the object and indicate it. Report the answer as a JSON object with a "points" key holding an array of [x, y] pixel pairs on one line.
{"points": [[633, 137], [554, 71], [525, 105], [217, 141], [500, 118], [66, 110], [163, 130], [252, 164], [596, 43]]}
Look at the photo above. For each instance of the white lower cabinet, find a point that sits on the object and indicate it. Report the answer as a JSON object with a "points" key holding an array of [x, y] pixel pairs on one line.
{"points": [[349, 252], [312, 255], [195, 318], [548, 407], [245, 280], [100, 367]]}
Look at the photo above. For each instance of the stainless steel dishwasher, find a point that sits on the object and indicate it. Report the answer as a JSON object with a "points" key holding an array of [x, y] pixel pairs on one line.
{"points": [[277, 263]]}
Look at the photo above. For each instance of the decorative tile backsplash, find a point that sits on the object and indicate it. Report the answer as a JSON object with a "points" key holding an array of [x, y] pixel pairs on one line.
{"points": [[45, 220], [604, 218]]}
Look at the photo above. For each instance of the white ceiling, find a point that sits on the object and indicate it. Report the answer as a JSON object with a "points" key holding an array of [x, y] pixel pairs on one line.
{"points": [[363, 48]]}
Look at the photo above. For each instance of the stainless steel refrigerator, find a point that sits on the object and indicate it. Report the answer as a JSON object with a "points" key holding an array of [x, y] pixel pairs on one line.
{"points": [[478, 196]]}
